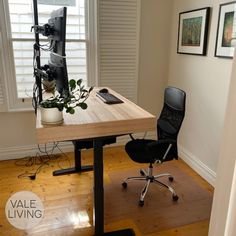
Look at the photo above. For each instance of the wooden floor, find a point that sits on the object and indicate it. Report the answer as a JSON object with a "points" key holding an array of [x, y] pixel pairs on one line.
{"points": [[68, 200]]}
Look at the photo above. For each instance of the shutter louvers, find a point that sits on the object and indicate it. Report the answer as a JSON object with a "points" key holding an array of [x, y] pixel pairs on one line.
{"points": [[118, 46], [2, 104], [1, 95]]}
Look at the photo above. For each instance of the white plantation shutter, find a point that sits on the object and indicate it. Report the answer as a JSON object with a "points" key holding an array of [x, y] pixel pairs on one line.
{"points": [[118, 45], [1, 79], [3, 102], [21, 15], [2, 97]]}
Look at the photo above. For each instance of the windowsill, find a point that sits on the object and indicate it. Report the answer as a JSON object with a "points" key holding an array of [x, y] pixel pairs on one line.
{"points": [[20, 105]]}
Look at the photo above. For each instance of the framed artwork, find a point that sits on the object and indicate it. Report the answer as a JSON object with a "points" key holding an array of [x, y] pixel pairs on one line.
{"points": [[193, 31], [226, 30]]}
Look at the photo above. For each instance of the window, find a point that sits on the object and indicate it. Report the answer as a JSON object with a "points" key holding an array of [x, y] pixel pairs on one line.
{"points": [[18, 53], [115, 66]]}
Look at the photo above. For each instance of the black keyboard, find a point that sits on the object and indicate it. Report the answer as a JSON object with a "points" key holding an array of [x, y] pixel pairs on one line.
{"points": [[109, 98]]}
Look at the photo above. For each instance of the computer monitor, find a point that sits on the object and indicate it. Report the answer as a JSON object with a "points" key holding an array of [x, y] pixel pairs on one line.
{"points": [[56, 69], [57, 24], [57, 62], [58, 72]]}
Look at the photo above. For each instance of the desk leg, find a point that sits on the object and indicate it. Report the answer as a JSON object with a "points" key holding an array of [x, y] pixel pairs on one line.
{"points": [[78, 167], [98, 187], [99, 194]]}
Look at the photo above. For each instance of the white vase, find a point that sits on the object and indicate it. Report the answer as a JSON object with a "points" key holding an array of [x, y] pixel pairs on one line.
{"points": [[51, 116]]}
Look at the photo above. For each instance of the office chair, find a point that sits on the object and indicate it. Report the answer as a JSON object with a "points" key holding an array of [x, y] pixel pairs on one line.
{"points": [[163, 149]]}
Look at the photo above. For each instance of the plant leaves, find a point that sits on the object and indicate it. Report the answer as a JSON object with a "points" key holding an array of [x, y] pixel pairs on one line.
{"points": [[79, 82], [76, 97], [72, 84], [83, 105], [60, 106], [70, 110]]}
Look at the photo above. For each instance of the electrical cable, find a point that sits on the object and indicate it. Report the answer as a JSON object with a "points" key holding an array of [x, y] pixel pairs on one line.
{"points": [[42, 158]]}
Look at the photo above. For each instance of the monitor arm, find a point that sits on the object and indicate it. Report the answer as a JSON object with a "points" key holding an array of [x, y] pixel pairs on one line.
{"points": [[44, 72], [45, 30]]}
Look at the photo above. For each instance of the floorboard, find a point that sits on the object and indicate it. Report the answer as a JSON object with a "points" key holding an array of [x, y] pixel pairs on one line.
{"points": [[68, 200]]}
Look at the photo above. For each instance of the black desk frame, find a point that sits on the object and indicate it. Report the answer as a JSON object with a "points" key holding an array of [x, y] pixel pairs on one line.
{"points": [[98, 185], [99, 193], [78, 166]]}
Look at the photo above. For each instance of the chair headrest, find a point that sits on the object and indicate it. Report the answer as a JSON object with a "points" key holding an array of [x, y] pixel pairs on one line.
{"points": [[175, 98]]}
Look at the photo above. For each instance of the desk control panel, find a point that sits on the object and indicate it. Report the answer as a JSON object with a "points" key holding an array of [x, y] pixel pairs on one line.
{"points": [[109, 98]]}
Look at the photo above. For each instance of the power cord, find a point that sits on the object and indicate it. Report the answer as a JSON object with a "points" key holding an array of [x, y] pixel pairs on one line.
{"points": [[42, 158]]}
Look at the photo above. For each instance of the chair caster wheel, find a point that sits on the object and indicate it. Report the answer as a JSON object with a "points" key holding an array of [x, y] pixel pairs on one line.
{"points": [[141, 203], [142, 173], [124, 184], [171, 179], [175, 198]]}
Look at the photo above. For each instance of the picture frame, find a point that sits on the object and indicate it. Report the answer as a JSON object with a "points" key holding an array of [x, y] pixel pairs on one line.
{"points": [[193, 31], [224, 47]]}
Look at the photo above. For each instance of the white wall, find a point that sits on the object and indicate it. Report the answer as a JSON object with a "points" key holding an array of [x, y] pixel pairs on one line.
{"points": [[155, 31], [17, 129], [17, 134], [206, 82], [223, 215]]}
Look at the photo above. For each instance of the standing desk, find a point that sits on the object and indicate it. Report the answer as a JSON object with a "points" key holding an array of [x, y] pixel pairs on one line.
{"points": [[97, 122]]}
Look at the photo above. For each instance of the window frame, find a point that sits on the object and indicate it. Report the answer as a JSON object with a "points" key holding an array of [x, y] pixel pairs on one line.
{"points": [[12, 102]]}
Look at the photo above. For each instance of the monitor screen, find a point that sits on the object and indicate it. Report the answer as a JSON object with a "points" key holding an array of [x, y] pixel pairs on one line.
{"points": [[58, 72], [57, 24]]}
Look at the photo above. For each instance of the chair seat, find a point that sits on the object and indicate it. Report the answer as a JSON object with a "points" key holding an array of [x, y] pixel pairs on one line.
{"points": [[136, 149], [150, 151]]}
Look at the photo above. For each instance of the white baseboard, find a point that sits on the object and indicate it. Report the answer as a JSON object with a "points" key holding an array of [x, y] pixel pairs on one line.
{"points": [[17, 152], [203, 170], [31, 150]]}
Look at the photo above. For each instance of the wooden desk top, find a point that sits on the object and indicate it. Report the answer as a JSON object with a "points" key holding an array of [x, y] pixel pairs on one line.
{"points": [[98, 120]]}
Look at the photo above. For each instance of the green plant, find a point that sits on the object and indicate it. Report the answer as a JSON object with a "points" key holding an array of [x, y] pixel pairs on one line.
{"points": [[75, 98]]}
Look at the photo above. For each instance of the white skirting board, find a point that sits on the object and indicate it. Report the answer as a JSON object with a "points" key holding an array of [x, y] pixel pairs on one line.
{"points": [[204, 171], [18, 152], [31, 150]]}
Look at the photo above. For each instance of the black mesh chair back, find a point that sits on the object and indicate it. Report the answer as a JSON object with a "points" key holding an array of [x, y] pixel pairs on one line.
{"points": [[171, 117], [165, 147]]}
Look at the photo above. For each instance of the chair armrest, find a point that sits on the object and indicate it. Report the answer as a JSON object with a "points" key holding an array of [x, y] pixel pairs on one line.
{"points": [[155, 145], [160, 149], [131, 136]]}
